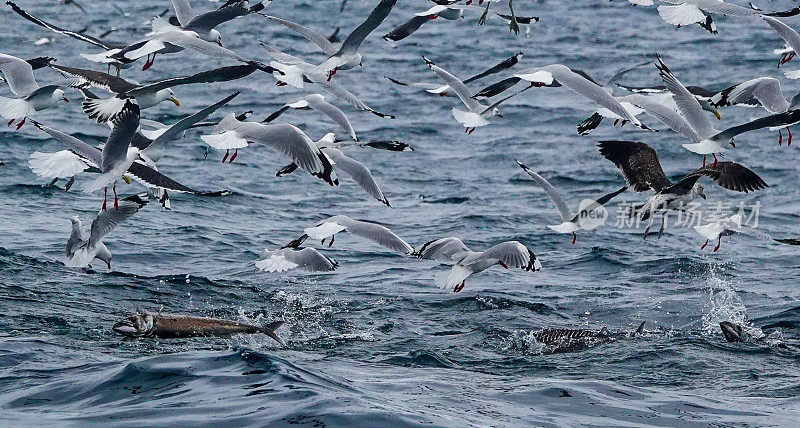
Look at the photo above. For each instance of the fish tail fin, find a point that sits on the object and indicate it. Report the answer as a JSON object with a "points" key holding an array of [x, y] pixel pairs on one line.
{"points": [[269, 330], [640, 329]]}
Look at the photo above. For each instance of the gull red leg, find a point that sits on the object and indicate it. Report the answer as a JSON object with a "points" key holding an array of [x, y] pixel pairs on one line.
{"points": [[235, 153], [704, 161], [330, 244], [574, 237], [704, 245], [714, 165], [19, 125], [719, 242], [105, 198], [10, 122], [789, 141], [116, 201], [780, 137], [224, 158], [330, 74]]}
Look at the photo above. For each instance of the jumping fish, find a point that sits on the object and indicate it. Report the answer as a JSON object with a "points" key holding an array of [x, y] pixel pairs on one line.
{"points": [[172, 326]]}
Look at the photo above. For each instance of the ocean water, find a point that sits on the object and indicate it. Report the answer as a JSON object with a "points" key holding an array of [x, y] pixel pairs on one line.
{"points": [[376, 342]]}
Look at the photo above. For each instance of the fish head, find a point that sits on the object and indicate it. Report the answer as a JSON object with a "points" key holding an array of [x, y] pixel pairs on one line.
{"points": [[137, 325], [732, 332]]}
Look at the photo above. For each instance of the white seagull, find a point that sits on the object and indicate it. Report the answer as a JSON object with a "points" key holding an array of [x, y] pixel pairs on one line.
{"points": [[317, 102], [570, 222], [80, 250], [328, 228], [289, 258], [32, 97], [507, 254], [232, 134]]}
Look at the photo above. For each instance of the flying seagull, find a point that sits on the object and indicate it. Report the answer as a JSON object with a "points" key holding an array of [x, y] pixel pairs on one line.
{"points": [[477, 113], [642, 170], [561, 75], [732, 225], [31, 97], [109, 47], [571, 223], [792, 39], [328, 228], [81, 156], [466, 262], [761, 91], [82, 250], [355, 169], [691, 110], [290, 258], [346, 56], [446, 90], [204, 24], [286, 139], [146, 95]]}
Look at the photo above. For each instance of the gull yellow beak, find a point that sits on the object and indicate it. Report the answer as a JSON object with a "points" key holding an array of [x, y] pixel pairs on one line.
{"points": [[716, 113], [175, 100], [126, 179]]}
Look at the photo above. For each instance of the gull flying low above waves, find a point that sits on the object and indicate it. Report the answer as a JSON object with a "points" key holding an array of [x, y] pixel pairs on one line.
{"points": [[32, 98], [204, 23], [146, 95], [81, 250], [355, 169], [571, 222], [233, 134], [284, 259], [467, 262], [80, 156], [328, 228], [733, 225], [642, 170]]}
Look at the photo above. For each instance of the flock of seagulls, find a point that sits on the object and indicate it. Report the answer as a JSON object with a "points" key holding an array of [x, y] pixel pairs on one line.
{"points": [[135, 144]]}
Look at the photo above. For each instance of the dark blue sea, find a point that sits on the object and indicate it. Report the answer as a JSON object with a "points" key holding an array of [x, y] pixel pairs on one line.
{"points": [[376, 343]]}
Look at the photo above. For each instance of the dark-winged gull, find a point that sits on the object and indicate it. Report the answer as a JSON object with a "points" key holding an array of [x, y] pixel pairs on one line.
{"points": [[641, 168], [232, 134], [466, 262], [328, 228], [81, 250], [571, 222], [284, 259], [31, 97], [146, 95], [353, 168]]}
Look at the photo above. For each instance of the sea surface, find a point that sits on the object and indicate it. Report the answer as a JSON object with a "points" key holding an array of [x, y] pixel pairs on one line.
{"points": [[376, 343]]}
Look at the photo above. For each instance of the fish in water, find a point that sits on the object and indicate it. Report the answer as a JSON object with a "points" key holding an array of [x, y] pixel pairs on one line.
{"points": [[565, 340], [172, 326], [737, 333]]}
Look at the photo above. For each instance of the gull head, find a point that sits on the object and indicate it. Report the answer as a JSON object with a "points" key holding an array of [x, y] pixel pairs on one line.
{"points": [[76, 222], [327, 141], [496, 112], [699, 191], [215, 37], [137, 325], [167, 95], [58, 95], [707, 106]]}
